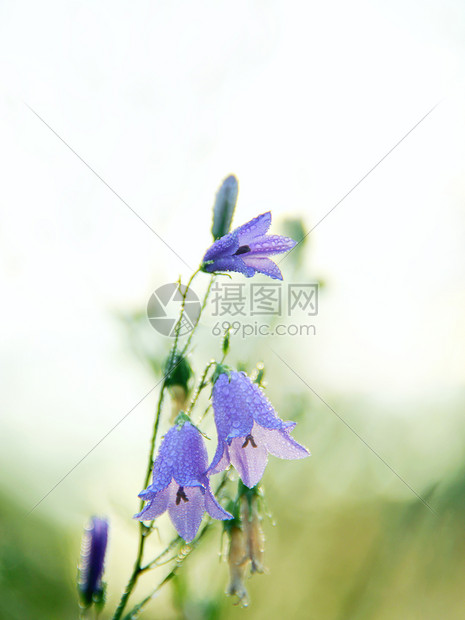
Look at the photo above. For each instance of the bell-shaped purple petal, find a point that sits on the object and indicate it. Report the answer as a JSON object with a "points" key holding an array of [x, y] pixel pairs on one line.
{"points": [[158, 503], [187, 514], [213, 507], [182, 456], [180, 484], [225, 246], [263, 265], [258, 227], [246, 250], [221, 458], [279, 443], [271, 244], [248, 428], [249, 458], [230, 263]]}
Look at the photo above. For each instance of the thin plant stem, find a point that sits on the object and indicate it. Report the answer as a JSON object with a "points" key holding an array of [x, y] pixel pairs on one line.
{"points": [[135, 574], [177, 327], [145, 531], [170, 547], [201, 386], [202, 308]]}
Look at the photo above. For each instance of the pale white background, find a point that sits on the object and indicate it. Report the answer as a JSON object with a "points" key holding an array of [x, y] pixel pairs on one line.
{"points": [[163, 100]]}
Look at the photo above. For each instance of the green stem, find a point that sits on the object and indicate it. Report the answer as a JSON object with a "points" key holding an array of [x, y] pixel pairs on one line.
{"points": [[181, 314], [135, 574], [202, 308], [145, 531], [153, 439], [201, 386], [170, 547]]}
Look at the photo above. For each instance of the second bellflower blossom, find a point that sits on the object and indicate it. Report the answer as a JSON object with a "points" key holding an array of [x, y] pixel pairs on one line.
{"points": [[180, 484], [247, 248], [248, 429]]}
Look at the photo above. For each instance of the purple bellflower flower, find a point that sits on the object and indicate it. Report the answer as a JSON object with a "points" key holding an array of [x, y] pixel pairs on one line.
{"points": [[246, 250], [248, 428], [94, 544], [180, 484]]}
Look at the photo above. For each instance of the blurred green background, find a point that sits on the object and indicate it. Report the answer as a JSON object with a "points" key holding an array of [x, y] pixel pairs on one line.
{"points": [[299, 100]]}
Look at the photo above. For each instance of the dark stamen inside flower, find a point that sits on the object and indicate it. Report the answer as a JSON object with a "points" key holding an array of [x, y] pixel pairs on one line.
{"points": [[180, 495], [252, 442], [242, 250]]}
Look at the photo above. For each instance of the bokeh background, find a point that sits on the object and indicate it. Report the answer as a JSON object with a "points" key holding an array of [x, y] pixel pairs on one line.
{"points": [[299, 100]]}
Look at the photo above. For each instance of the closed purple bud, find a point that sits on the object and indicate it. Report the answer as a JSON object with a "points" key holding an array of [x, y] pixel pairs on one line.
{"points": [[93, 548], [223, 210]]}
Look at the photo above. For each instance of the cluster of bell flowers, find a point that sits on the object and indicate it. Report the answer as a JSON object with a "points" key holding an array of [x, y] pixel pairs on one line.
{"points": [[248, 430], [247, 425]]}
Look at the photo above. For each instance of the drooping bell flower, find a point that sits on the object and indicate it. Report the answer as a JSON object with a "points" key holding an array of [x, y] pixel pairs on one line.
{"points": [[93, 548], [248, 428], [180, 484], [247, 248]]}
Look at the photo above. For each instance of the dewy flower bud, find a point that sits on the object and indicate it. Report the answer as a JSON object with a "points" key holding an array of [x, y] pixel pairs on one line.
{"points": [[94, 544], [178, 373], [223, 210], [238, 561], [255, 539]]}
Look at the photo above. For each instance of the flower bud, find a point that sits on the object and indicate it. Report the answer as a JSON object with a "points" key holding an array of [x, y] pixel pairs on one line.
{"points": [[238, 561], [93, 548], [178, 373], [223, 209], [253, 532]]}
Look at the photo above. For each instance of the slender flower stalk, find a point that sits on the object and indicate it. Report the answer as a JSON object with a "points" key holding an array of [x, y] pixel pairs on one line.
{"points": [[177, 327], [144, 531], [202, 384], [202, 308]]}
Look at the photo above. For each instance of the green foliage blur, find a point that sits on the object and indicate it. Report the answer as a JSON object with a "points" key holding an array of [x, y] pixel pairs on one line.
{"points": [[346, 539], [37, 568]]}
